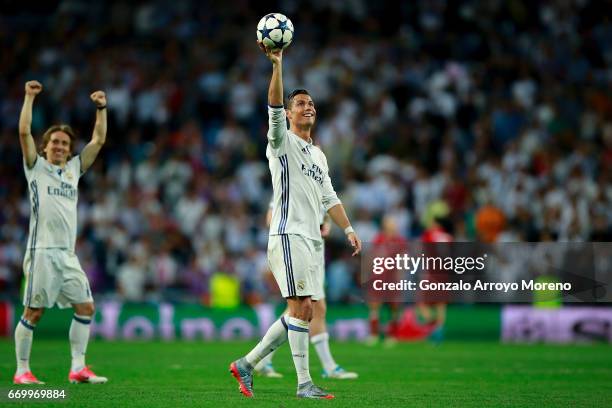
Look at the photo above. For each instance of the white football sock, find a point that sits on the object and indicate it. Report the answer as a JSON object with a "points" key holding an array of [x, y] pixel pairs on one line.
{"points": [[23, 345], [79, 336], [274, 337], [265, 361], [321, 344], [298, 341]]}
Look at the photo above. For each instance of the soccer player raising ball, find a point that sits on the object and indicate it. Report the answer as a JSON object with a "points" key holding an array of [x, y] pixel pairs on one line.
{"points": [[301, 186], [52, 270]]}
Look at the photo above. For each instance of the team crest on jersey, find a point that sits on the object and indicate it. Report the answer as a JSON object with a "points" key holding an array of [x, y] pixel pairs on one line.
{"points": [[301, 285], [69, 175]]}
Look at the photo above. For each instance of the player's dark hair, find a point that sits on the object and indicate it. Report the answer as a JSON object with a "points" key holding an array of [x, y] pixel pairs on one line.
{"points": [[47, 136], [295, 93]]}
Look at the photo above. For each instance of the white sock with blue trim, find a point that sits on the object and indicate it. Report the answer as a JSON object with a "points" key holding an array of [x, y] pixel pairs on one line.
{"points": [[24, 333], [298, 341], [274, 337], [321, 344], [79, 337]]}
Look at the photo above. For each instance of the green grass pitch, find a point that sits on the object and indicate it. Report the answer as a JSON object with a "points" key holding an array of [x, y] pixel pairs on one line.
{"points": [[177, 374]]}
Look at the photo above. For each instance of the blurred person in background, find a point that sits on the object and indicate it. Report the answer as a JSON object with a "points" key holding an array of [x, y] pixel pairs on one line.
{"points": [[387, 243], [431, 305], [133, 276]]}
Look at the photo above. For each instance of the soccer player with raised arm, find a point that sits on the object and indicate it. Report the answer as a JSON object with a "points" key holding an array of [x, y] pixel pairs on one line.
{"points": [[301, 185], [53, 272]]}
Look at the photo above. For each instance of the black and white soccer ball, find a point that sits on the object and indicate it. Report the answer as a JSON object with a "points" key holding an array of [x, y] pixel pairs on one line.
{"points": [[275, 30]]}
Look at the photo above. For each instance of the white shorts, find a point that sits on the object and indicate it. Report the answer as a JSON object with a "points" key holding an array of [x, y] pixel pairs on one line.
{"points": [[320, 290], [54, 275], [295, 262]]}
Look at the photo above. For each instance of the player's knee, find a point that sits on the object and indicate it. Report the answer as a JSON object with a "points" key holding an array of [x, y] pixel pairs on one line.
{"points": [[90, 309], [33, 315], [305, 309], [308, 312], [85, 309]]}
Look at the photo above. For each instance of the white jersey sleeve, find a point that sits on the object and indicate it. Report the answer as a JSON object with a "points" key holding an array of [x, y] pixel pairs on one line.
{"points": [[36, 167], [329, 197], [277, 131], [75, 165]]}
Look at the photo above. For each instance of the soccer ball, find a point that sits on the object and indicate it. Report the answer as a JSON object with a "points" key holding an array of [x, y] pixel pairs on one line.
{"points": [[275, 31]]}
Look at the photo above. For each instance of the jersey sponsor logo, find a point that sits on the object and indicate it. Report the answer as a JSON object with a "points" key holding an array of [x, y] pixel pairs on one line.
{"points": [[314, 172], [64, 190]]}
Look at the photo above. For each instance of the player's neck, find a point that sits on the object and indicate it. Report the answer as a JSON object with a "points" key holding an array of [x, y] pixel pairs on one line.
{"points": [[61, 164], [303, 134]]}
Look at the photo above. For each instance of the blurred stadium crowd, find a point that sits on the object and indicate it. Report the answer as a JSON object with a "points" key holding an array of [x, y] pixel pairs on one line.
{"points": [[500, 111]]}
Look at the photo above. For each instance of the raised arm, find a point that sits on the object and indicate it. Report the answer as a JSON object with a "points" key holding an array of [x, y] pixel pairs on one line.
{"points": [[338, 216], [277, 116], [275, 91], [90, 152], [28, 148]]}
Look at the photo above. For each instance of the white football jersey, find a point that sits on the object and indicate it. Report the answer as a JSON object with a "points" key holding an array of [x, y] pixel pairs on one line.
{"points": [[302, 189], [321, 220], [53, 199]]}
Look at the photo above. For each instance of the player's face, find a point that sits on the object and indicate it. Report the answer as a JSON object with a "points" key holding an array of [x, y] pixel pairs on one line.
{"points": [[302, 112], [58, 148]]}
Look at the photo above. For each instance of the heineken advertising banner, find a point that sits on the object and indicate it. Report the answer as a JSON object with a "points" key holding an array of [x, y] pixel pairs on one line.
{"points": [[193, 322]]}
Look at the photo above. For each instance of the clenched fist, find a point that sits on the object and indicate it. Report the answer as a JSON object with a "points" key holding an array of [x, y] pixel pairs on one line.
{"points": [[99, 98], [33, 88]]}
